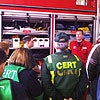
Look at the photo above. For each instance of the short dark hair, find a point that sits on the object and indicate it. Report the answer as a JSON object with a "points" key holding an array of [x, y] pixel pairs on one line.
{"points": [[3, 56], [26, 38], [4, 45], [81, 31]]}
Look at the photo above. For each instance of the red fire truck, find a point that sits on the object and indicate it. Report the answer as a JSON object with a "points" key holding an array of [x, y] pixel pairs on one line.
{"points": [[43, 19]]}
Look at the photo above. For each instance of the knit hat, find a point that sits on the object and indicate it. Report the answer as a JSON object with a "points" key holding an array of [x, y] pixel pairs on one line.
{"points": [[61, 37]]}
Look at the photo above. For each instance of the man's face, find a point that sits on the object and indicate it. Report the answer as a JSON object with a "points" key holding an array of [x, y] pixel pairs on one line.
{"points": [[79, 36], [31, 43]]}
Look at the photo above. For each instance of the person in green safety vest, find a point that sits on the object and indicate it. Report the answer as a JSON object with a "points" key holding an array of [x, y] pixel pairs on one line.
{"points": [[63, 74], [18, 69], [9, 89]]}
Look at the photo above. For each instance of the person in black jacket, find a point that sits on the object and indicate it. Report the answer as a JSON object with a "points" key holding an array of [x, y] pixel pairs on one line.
{"points": [[18, 70], [93, 69], [9, 89], [29, 43]]}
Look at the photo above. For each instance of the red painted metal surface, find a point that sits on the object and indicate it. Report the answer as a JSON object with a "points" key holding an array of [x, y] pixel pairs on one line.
{"points": [[53, 32], [91, 4], [59, 6]]}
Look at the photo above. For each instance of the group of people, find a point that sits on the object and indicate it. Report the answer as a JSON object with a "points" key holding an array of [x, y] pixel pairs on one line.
{"points": [[19, 81], [65, 74]]}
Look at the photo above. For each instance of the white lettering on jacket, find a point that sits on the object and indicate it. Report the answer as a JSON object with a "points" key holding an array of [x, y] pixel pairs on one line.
{"points": [[9, 74], [84, 47], [74, 47]]}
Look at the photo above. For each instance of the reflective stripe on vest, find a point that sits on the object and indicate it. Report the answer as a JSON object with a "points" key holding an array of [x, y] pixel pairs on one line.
{"points": [[49, 59], [76, 58], [52, 76], [51, 72], [50, 98]]}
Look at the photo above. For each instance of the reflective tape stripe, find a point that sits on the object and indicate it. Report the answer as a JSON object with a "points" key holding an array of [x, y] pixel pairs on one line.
{"points": [[51, 72], [52, 76], [52, 79], [77, 58], [49, 59], [50, 98]]}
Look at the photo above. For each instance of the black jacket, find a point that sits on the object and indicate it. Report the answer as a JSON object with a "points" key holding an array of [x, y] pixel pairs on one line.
{"points": [[93, 69], [93, 63]]}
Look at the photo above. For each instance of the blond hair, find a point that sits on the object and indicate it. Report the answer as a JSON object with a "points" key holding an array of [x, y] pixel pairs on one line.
{"points": [[20, 57]]}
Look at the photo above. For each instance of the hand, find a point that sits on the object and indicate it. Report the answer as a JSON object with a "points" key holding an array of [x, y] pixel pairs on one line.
{"points": [[70, 99], [36, 68], [65, 99]]}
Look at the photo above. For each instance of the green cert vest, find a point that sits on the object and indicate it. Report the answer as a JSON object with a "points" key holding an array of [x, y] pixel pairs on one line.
{"points": [[12, 71], [65, 70], [5, 89]]}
